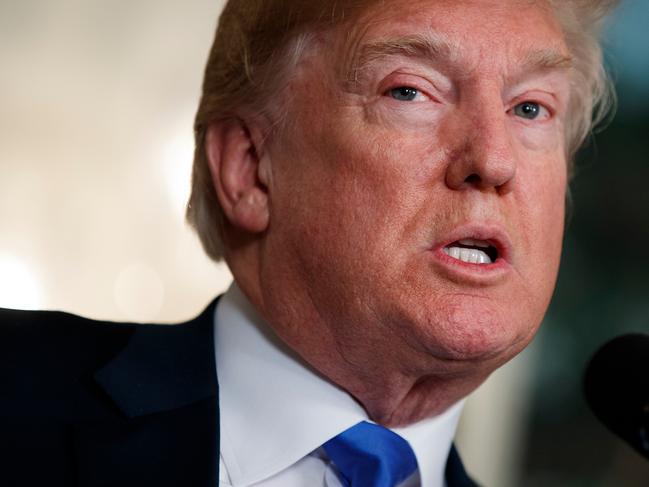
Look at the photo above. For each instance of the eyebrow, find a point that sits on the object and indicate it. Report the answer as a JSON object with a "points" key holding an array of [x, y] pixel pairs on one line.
{"points": [[416, 46], [434, 48], [546, 59]]}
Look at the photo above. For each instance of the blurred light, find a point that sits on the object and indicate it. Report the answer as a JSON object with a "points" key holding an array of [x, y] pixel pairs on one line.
{"points": [[178, 155], [19, 288], [139, 292]]}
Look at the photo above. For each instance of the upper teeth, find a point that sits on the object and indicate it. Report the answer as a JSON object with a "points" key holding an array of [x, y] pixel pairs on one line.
{"points": [[474, 243], [472, 256]]}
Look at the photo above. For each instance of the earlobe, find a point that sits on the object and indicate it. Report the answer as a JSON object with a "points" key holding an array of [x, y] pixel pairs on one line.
{"points": [[234, 164]]}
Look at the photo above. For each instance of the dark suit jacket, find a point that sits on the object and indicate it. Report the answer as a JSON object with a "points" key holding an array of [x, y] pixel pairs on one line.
{"points": [[89, 404]]}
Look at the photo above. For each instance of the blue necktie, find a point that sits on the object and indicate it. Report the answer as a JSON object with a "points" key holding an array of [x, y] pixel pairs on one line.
{"points": [[369, 455]]}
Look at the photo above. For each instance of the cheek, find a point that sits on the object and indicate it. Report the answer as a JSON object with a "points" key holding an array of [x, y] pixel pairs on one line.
{"points": [[357, 200], [545, 137], [545, 221], [377, 171], [550, 196]]}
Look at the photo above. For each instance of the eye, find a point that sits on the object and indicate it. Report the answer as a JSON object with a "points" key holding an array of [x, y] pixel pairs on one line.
{"points": [[405, 93], [530, 110]]}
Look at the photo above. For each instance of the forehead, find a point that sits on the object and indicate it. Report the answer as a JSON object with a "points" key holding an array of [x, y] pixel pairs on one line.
{"points": [[490, 12], [464, 31]]}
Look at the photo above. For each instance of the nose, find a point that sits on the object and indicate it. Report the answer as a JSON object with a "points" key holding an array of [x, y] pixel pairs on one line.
{"points": [[485, 158]]}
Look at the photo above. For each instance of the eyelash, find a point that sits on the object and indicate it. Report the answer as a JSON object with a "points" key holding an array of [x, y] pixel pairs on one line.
{"points": [[544, 112], [405, 88]]}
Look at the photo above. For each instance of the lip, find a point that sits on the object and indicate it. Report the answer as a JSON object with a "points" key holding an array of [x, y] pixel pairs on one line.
{"points": [[476, 273]]}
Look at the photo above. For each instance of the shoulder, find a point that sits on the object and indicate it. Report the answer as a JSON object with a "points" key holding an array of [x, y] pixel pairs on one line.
{"points": [[45, 355], [88, 390], [55, 338], [50, 334], [51, 357], [20, 324]]}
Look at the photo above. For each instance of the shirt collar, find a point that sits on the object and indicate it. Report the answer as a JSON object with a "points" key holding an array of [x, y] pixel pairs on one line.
{"points": [[431, 441], [275, 409]]}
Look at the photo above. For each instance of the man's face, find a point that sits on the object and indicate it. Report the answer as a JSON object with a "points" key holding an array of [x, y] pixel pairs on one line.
{"points": [[417, 192]]}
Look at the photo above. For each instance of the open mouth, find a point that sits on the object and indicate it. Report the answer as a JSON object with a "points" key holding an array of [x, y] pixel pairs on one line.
{"points": [[472, 251]]}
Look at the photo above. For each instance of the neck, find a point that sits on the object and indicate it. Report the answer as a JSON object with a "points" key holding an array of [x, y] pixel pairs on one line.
{"points": [[391, 395], [369, 368]]}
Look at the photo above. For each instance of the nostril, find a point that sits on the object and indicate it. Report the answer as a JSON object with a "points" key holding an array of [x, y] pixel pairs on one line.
{"points": [[472, 179]]}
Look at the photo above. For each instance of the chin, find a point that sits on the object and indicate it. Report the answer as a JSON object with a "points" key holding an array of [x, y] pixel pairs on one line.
{"points": [[476, 333]]}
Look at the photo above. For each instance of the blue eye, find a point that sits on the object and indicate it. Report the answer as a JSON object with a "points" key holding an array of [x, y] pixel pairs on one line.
{"points": [[404, 93], [528, 110]]}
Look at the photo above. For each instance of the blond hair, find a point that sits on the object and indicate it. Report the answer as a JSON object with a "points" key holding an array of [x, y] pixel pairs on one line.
{"points": [[259, 42]]}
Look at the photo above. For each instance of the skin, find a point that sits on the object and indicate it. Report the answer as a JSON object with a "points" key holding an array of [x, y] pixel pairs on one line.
{"points": [[336, 222]]}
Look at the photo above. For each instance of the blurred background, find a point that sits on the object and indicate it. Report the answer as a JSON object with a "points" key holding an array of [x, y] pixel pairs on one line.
{"points": [[96, 107]]}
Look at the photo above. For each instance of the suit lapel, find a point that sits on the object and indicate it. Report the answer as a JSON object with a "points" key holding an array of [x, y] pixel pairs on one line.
{"points": [[166, 433], [164, 385], [163, 367], [455, 473]]}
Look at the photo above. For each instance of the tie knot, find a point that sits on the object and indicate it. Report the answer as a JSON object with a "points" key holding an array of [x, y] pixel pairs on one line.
{"points": [[369, 455]]}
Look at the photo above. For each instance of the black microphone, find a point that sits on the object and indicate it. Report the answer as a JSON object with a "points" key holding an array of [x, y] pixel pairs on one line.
{"points": [[616, 386]]}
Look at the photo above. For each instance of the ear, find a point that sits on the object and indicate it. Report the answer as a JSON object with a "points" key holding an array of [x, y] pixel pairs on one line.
{"points": [[234, 164]]}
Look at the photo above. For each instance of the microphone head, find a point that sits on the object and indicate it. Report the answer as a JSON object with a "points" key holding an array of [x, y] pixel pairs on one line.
{"points": [[616, 387]]}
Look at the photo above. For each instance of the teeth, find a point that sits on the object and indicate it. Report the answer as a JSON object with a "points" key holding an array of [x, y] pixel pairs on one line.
{"points": [[469, 242], [471, 256]]}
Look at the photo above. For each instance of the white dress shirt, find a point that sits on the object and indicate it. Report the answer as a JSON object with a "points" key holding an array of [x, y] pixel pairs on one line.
{"points": [[276, 412]]}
